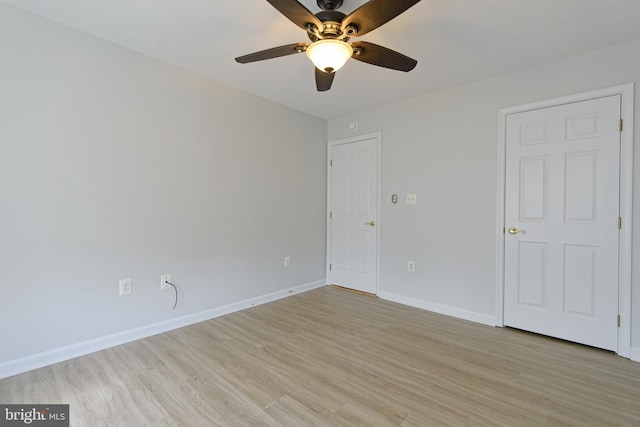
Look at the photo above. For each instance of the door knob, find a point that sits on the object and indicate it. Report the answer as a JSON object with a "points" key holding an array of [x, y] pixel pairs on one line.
{"points": [[371, 223], [513, 230]]}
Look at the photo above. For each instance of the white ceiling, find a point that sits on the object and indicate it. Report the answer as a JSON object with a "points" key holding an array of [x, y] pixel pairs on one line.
{"points": [[454, 41]]}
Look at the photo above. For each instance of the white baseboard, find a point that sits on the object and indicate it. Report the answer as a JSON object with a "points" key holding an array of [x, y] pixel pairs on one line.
{"points": [[635, 354], [46, 358], [440, 309]]}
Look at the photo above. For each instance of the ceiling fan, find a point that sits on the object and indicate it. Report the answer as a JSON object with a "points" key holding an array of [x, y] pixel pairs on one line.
{"points": [[329, 31]]}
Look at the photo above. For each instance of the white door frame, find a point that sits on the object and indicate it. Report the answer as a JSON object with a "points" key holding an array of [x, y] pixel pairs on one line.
{"points": [[626, 92], [378, 137]]}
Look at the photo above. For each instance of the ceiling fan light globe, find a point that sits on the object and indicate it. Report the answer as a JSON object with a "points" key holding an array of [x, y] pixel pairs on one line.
{"points": [[329, 55]]}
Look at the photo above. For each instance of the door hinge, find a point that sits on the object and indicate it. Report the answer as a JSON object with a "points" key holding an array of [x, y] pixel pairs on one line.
{"points": [[621, 125], [329, 267], [619, 223], [331, 163], [618, 320], [330, 215]]}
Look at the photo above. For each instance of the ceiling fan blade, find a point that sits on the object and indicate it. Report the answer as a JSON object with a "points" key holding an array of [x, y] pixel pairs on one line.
{"points": [[324, 80], [382, 57], [274, 52], [375, 13], [297, 13]]}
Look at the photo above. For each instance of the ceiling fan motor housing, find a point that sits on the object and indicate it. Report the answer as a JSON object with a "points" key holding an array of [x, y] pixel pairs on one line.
{"points": [[332, 22]]}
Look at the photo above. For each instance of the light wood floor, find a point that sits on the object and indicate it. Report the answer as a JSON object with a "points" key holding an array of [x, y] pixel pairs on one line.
{"points": [[332, 357]]}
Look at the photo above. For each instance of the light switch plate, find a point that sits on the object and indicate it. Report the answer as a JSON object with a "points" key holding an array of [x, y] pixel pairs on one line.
{"points": [[125, 286]]}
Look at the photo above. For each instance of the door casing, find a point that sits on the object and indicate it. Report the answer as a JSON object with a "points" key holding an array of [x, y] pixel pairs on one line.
{"points": [[378, 137], [626, 194]]}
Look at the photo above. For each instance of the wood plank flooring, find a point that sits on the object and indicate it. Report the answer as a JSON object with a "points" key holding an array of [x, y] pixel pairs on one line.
{"points": [[334, 358]]}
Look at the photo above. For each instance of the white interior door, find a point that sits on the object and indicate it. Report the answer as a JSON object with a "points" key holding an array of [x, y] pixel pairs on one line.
{"points": [[353, 224], [561, 216]]}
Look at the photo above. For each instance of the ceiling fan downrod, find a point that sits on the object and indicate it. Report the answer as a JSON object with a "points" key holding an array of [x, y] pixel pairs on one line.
{"points": [[329, 4]]}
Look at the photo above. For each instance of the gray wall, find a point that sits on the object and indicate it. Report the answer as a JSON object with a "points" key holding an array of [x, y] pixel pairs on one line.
{"points": [[114, 165], [444, 148]]}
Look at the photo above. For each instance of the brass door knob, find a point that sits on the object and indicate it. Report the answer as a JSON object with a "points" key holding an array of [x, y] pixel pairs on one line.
{"points": [[513, 230], [371, 223]]}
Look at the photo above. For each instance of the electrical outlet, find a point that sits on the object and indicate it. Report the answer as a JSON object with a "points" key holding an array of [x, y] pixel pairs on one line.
{"points": [[125, 286], [411, 199], [287, 261], [163, 281], [411, 266]]}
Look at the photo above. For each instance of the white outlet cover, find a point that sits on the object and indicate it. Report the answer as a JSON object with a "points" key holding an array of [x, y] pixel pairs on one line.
{"points": [[163, 281], [412, 199], [411, 266]]}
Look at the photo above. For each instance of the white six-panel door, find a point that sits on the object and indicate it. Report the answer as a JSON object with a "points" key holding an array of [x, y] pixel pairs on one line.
{"points": [[353, 209], [561, 217]]}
